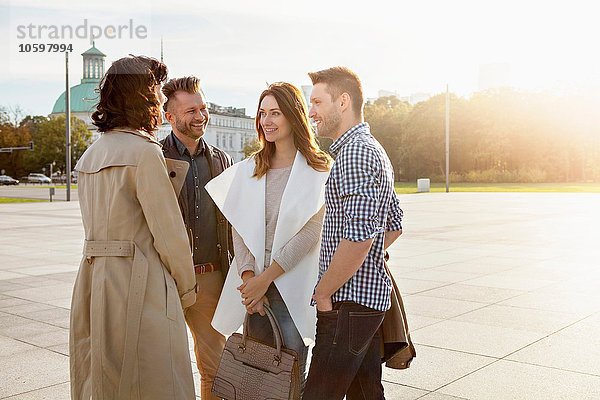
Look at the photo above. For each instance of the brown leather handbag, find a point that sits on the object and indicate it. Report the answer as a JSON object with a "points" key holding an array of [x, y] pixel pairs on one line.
{"points": [[252, 370]]}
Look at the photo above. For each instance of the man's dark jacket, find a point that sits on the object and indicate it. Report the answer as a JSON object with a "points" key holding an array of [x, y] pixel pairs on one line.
{"points": [[218, 161]]}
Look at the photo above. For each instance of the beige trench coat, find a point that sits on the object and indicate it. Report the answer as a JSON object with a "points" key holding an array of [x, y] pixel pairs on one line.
{"points": [[128, 337]]}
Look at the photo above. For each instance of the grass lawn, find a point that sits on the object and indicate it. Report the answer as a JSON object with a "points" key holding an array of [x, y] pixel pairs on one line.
{"points": [[59, 186], [411, 187], [4, 200]]}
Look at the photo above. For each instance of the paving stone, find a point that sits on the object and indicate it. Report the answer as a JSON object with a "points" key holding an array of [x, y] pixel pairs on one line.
{"points": [[22, 331], [412, 286], [519, 318], [13, 302], [9, 347], [27, 308], [6, 275], [440, 276], [17, 259], [6, 287], [509, 280], [60, 348], [9, 321], [515, 381], [47, 293], [36, 281], [56, 392], [575, 348], [64, 302], [68, 277], [441, 396], [400, 392], [32, 370], [418, 321], [48, 339], [436, 259], [50, 269], [52, 314], [570, 303], [434, 368], [480, 294], [593, 320], [492, 341], [476, 266], [435, 307]]}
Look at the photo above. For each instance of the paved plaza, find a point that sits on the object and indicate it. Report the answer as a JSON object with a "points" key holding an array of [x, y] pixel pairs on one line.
{"points": [[501, 289]]}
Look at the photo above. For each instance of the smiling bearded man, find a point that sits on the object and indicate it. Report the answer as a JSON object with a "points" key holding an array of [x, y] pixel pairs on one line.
{"points": [[209, 232]]}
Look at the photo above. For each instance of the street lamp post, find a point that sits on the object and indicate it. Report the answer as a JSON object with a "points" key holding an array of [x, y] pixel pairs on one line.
{"points": [[52, 164], [68, 126], [447, 140]]}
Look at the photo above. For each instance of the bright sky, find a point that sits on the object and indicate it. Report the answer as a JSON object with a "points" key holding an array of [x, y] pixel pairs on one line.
{"points": [[237, 46]]}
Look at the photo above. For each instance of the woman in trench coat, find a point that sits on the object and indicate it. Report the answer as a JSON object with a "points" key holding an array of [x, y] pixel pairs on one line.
{"points": [[128, 338]]}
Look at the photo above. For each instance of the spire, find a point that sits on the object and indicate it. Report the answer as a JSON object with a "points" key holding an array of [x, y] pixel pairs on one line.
{"points": [[161, 49]]}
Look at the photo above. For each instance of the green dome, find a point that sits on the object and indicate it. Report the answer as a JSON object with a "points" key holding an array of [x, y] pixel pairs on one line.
{"points": [[83, 99]]}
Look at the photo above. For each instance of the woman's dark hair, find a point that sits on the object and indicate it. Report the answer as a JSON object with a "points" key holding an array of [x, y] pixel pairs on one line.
{"points": [[128, 95]]}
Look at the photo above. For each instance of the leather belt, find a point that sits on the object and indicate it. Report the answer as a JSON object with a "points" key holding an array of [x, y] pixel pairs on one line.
{"points": [[206, 268]]}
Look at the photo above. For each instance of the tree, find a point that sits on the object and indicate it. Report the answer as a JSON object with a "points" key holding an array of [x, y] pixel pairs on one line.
{"points": [[251, 147], [12, 135], [387, 118], [48, 135]]}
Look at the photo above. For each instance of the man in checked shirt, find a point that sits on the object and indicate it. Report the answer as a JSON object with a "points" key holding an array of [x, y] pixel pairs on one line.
{"points": [[362, 218]]}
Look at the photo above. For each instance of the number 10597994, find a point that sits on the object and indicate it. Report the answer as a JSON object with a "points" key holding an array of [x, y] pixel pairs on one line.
{"points": [[45, 47]]}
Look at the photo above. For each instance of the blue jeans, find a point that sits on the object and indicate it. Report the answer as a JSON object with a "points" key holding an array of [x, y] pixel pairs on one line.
{"points": [[346, 358], [259, 328]]}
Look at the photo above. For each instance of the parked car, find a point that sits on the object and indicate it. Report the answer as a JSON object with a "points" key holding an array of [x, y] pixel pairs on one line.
{"points": [[38, 178], [7, 180]]}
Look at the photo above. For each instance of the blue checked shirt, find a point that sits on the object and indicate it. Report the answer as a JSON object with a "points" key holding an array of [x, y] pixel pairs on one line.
{"points": [[360, 204]]}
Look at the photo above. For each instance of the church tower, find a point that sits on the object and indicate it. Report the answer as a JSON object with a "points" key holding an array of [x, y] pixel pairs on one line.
{"points": [[93, 65]]}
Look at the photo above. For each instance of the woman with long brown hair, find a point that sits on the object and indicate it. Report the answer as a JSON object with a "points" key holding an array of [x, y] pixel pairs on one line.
{"points": [[274, 201], [128, 337]]}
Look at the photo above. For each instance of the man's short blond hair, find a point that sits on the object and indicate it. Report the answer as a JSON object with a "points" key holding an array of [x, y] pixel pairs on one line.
{"points": [[188, 84]]}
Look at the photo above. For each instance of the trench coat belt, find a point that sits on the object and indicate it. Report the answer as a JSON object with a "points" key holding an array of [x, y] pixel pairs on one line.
{"points": [[108, 248], [135, 302]]}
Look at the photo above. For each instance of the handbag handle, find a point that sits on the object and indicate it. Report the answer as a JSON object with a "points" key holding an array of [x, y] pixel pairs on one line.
{"points": [[276, 334]]}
